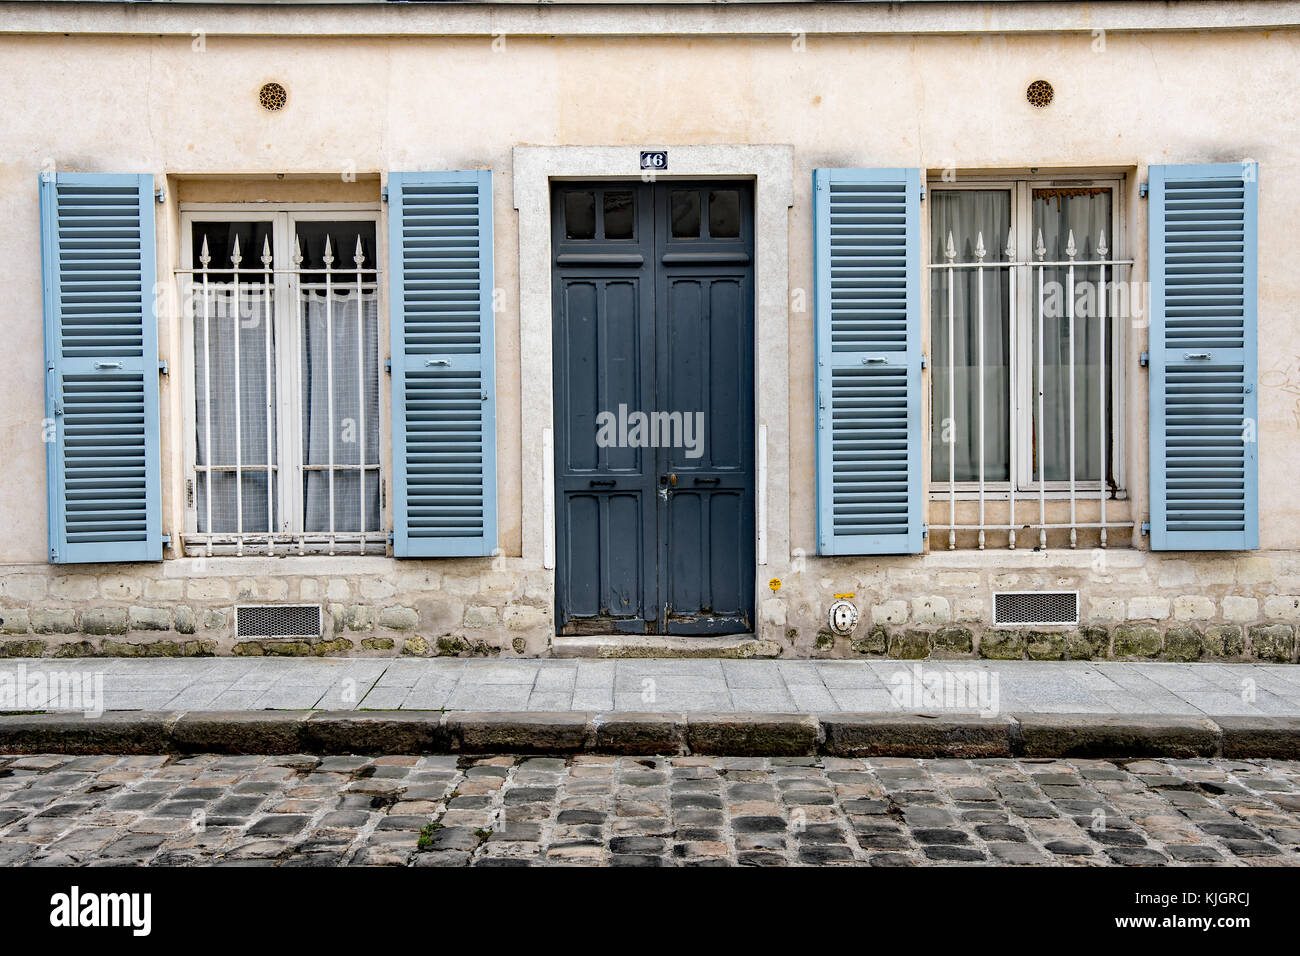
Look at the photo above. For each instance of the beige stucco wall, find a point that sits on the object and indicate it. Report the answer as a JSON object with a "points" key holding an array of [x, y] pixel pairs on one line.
{"points": [[369, 104]]}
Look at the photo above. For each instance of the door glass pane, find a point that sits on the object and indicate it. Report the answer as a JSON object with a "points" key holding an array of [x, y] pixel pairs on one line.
{"points": [[618, 214], [580, 215], [1058, 213], [685, 213], [724, 214], [965, 215]]}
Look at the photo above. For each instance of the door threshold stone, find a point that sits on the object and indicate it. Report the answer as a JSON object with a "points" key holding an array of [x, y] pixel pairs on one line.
{"points": [[613, 646]]}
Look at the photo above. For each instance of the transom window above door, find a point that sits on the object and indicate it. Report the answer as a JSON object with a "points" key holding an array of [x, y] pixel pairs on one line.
{"points": [[1028, 307], [283, 322]]}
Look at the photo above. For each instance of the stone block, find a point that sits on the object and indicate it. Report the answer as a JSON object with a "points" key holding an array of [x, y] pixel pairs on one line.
{"points": [[909, 645], [14, 620], [1137, 640], [1240, 610], [875, 641], [1272, 642], [1150, 608], [525, 617], [480, 616], [104, 620], [931, 610], [1045, 646], [399, 619], [1002, 645], [1224, 640], [1184, 644], [150, 619], [891, 612], [1194, 607], [1086, 643], [954, 640]]}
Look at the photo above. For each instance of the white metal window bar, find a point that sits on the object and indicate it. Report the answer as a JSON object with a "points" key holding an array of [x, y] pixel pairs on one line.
{"points": [[1014, 272], [286, 299]]}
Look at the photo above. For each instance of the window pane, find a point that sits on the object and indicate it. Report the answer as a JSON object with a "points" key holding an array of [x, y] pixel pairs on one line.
{"points": [[724, 214], [966, 214], [685, 213], [580, 215], [1058, 212], [618, 214], [234, 376], [340, 410]]}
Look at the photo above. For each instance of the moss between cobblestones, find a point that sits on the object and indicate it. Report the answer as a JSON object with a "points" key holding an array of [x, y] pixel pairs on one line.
{"points": [[75, 649], [825, 641], [415, 647], [955, 640], [22, 649], [378, 643]]}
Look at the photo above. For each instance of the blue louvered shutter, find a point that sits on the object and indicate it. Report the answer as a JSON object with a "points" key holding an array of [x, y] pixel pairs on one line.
{"points": [[444, 395], [868, 326], [1204, 369], [103, 474]]}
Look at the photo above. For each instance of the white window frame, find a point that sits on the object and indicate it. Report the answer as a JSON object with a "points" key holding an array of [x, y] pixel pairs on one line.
{"points": [[287, 359], [1022, 409]]}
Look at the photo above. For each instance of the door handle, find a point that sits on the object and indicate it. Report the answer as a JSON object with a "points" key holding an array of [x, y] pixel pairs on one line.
{"points": [[601, 483], [432, 362], [1203, 356], [107, 365]]}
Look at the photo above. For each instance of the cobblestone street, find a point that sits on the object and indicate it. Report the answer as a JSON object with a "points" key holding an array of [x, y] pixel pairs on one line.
{"points": [[484, 811]]}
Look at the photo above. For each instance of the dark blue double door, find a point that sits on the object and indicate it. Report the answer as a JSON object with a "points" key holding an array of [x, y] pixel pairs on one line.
{"points": [[653, 322]]}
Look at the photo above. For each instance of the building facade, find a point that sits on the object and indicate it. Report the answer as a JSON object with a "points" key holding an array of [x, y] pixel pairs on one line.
{"points": [[651, 328]]}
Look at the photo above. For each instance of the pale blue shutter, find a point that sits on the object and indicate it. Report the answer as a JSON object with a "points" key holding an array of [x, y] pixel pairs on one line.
{"points": [[868, 325], [444, 396], [1204, 369], [101, 368]]}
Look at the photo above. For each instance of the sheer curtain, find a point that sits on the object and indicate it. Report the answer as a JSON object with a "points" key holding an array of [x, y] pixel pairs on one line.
{"points": [[1057, 212], [234, 327], [965, 213], [335, 342]]}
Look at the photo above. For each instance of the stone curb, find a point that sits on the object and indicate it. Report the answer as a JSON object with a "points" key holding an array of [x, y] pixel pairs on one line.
{"points": [[642, 734]]}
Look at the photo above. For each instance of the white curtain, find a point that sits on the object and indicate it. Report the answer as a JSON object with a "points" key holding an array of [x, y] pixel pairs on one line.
{"points": [[1057, 212], [336, 342], [234, 328], [966, 213]]}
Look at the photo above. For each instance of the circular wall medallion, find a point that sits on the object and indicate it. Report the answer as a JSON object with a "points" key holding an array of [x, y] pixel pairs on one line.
{"points": [[272, 96], [1040, 93]]}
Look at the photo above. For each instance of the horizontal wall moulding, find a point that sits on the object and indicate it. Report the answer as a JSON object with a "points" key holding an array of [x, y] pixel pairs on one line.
{"points": [[519, 19]]}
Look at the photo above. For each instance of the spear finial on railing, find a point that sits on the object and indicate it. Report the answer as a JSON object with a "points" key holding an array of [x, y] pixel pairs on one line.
{"points": [[360, 256], [1070, 248], [297, 252], [1040, 250], [266, 252], [235, 257], [1101, 245], [950, 251], [204, 256], [328, 258], [1011, 244], [980, 251]]}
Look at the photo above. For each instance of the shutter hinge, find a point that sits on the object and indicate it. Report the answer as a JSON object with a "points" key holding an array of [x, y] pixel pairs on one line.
{"points": [[388, 366], [383, 193], [922, 190], [167, 541], [163, 369], [925, 531], [390, 537], [160, 196], [1146, 529], [1143, 190], [1144, 359], [923, 360]]}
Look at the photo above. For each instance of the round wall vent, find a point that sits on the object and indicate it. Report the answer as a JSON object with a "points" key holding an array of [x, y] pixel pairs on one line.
{"points": [[272, 96], [1040, 93]]}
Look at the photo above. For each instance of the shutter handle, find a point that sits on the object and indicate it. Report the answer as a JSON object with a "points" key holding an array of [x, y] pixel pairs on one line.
{"points": [[108, 365], [1196, 355], [432, 362], [874, 360]]}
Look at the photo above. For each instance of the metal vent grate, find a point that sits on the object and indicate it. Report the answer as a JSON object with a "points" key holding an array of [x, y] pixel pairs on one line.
{"points": [[278, 620], [1036, 607]]}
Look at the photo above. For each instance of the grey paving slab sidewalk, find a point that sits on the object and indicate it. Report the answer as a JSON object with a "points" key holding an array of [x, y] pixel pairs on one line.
{"points": [[663, 685]]}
